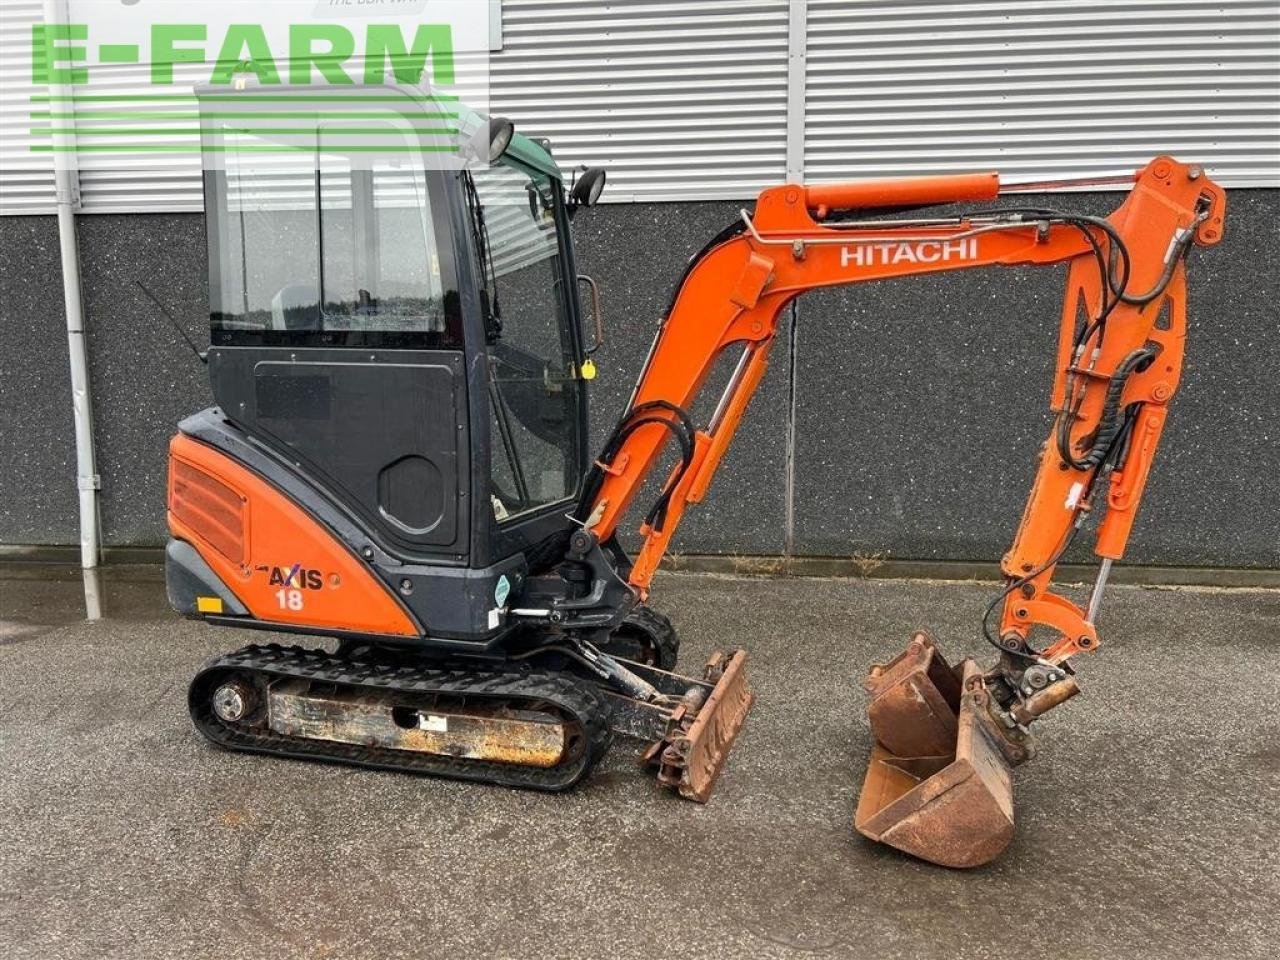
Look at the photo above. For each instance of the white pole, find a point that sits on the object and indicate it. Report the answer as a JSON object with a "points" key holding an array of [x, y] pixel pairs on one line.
{"points": [[797, 55], [87, 481]]}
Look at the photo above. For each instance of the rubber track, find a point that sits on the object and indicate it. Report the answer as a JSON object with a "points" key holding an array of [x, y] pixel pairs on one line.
{"points": [[655, 628], [660, 633], [575, 699]]}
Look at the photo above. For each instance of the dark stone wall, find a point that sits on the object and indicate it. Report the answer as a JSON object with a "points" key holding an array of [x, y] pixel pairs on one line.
{"points": [[145, 378], [637, 252], [37, 435], [923, 404], [920, 403]]}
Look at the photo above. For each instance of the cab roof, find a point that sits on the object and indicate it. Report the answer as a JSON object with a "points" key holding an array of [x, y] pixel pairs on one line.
{"points": [[524, 150]]}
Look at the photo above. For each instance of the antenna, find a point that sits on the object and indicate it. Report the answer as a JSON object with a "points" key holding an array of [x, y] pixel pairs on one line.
{"points": [[201, 355]]}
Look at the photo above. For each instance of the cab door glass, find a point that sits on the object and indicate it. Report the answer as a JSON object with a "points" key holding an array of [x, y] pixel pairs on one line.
{"points": [[533, 390], [264, 232], [380, 264]]}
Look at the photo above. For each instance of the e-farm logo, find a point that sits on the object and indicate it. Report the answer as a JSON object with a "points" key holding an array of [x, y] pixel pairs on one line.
{"points": [[60, 53], [167, 77]]}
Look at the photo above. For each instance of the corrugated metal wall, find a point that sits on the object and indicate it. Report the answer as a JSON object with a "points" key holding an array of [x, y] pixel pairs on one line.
{"points": [[1040, 90], [687, 99], [168, 181], [681, 100], [26, 180]]}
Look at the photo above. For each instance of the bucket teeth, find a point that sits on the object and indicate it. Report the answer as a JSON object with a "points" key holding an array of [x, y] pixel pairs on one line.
{"points": [[697, 744], [937, 787]]}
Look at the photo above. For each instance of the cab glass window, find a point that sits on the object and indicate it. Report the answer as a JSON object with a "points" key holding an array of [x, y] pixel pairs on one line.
{"points": [[313, 249]]}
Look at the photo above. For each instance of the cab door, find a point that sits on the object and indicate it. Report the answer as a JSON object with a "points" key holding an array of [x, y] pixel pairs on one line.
{"points": [[537, 413], [337, 335]]}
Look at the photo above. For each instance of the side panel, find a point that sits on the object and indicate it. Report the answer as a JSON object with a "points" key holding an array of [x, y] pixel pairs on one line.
{"points": [[283, 565], [385, 430]]}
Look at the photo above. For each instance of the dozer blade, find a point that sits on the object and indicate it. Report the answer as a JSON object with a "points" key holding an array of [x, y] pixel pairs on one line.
{"points": [[936, 786], [700, 735]]}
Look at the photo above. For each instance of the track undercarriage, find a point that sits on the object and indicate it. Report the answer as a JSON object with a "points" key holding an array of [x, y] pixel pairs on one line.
{"points": [[519, 722]]}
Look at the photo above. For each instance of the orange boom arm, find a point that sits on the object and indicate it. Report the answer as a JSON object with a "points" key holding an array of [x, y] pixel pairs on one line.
{"points": [[1122, 330]]}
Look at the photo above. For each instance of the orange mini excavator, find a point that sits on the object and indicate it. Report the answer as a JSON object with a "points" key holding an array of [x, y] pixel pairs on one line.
{"points": [[398, 463]]}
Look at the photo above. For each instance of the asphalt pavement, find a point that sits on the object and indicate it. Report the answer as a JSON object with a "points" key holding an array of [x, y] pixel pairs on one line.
{"points": [[1147, 826]]}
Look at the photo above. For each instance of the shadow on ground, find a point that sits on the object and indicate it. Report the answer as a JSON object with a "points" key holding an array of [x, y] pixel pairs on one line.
{"points": [[1146, 826]]}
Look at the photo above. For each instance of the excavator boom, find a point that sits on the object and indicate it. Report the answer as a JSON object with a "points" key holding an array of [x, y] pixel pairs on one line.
{"points": [[939, 784]]}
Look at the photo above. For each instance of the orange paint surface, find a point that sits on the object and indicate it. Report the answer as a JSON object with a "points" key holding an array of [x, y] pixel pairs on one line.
{"points": [[286, 568]]}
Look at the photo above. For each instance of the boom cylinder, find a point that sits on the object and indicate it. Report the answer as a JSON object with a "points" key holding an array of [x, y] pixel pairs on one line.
{"points": [[906, 191]]}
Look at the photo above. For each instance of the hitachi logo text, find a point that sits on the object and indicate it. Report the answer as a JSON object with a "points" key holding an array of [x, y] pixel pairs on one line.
{"points": [[922, 251]]}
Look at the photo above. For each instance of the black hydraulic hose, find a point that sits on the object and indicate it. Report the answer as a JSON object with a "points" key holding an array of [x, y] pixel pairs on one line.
{"points": [[1015, 585], [1109, 423], [1115, 427], [1104, 274], [1142, 299], [657, 515], [1119, 248], [1110, 410], [681, 427], [1083, 223], [1119, 452], [728, 233], [680, 413], [1115, 452], [595, 478]]}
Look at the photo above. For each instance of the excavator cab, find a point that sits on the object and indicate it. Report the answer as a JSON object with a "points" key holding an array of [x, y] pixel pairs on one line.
{"points": [[397, 450], [408, 335]]}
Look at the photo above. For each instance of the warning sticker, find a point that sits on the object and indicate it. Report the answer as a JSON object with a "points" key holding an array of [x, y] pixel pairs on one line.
{"points": [[432, 723]]}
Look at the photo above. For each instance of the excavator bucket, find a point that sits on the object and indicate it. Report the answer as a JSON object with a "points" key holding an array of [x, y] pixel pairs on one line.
{"points": [[936, 786]]}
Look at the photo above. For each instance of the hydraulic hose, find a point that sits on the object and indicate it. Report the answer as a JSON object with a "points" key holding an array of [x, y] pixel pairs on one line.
{"points": [[1110, 421]]}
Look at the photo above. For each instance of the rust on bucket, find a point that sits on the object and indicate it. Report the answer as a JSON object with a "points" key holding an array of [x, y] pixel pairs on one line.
{"points": [[915, 699], [942, 796]]}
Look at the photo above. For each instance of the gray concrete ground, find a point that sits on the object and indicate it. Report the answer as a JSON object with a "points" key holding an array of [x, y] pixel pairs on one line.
{"points": [[1146, 826]]}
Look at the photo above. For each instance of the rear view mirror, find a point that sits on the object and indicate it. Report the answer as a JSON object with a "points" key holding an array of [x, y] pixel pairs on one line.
{"points": [[586, 192]]}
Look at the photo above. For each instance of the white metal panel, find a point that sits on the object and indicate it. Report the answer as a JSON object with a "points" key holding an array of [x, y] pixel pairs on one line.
{"points": [[1042, 89], [26, 178], [166, 177], [158, 180], [687, 99], [681, 99]]}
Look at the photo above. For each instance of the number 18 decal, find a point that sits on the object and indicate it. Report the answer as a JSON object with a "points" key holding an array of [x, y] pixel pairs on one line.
{"points": [[292, 582]]}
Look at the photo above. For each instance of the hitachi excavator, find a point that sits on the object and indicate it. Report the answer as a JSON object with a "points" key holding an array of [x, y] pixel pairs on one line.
{"points": [[398, 465]]}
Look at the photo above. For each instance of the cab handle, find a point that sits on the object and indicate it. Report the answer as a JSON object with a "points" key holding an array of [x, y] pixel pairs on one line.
{"points": [[597, 312]]}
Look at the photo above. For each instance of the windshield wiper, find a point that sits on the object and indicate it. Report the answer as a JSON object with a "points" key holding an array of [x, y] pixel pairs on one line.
{"points": [[490, 308]]}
